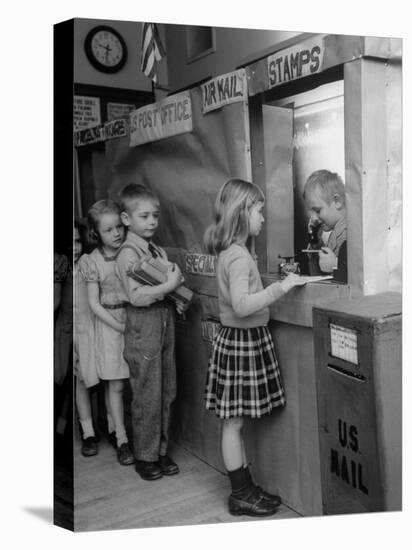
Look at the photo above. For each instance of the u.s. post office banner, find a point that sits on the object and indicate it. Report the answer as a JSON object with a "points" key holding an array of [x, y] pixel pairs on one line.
{"points": [[301, 60], [224, 89], [166, 118]]}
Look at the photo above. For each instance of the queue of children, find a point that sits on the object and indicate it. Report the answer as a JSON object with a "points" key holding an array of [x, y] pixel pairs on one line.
{"points": [[125, 329]]}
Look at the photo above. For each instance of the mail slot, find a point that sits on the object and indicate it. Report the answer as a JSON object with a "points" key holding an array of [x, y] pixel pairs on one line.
{"points": [[358, 382]]}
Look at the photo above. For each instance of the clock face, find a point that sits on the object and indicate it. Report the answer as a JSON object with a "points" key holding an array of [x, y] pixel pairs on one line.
{"points": [[106, 49]]}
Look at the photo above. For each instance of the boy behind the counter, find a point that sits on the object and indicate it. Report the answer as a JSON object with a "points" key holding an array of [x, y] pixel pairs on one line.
{"points": [[324, 195], [149, 335]]}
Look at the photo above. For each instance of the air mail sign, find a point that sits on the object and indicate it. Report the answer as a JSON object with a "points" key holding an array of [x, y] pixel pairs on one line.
{"points": [[224, 89], [304, 59], [166, 118]]}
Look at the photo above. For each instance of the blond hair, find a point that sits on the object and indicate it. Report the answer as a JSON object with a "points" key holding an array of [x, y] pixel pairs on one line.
{"points": [[328, 183], [231, 214]]}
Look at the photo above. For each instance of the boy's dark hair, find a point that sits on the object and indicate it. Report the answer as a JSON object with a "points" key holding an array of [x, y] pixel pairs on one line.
{"points": [[329, 184], [133, 192]]}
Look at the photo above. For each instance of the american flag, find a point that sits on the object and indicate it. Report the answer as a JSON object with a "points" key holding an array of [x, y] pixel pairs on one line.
{"points": [[152, 50]]}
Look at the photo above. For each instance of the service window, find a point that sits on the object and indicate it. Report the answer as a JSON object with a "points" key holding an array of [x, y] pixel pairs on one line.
{"points": [[302, 132]]}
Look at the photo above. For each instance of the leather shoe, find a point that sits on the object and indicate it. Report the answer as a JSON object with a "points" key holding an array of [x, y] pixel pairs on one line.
{"points": [[124, 455], [89, 446], [167, 466], [148, 470], [274, 499], [251, 504]]}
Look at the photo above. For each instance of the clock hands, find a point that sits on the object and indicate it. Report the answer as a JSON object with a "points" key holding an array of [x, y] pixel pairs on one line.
{"points": [[107, 48]]}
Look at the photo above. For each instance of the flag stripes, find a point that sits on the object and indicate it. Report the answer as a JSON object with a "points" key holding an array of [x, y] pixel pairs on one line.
{"points": [[152, 50]]}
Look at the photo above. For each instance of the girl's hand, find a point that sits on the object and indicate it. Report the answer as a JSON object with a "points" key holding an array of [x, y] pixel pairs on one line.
{"points": [[292, 280]]}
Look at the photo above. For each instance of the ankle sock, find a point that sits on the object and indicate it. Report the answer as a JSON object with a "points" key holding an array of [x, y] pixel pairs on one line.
{"points": [[121, 436], [110, 423], [87, 426], [239, 482]]}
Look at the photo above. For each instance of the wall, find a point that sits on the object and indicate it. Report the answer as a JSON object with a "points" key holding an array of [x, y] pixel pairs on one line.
{"points": [[130, 76], [234, 47]]}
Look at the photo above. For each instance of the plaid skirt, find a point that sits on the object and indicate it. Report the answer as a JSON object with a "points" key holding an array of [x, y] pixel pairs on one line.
{"points": [[243, 377]]}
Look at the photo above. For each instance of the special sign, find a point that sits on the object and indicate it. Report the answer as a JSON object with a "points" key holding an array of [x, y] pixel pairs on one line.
{"points": [[224, 89], [166, 118], [296, 62], [200, 264]]}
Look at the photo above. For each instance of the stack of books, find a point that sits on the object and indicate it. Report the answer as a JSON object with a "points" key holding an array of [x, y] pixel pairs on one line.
{"points": [[152, 272]]}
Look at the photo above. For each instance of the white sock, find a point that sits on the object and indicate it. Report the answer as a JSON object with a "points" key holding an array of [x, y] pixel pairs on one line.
{"points": [[87, 426], [61, 425], [110, 423], [121, 436]]}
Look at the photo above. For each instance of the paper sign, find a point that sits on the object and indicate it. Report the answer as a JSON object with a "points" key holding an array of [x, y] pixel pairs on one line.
{"points": [[224, 89], [102, 132], [344, 343], [119, 110], [296, 62], [86, 112], [166, 118]]}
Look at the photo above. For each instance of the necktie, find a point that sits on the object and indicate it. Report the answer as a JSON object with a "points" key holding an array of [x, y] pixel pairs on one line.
{"points": [[153, 251]]}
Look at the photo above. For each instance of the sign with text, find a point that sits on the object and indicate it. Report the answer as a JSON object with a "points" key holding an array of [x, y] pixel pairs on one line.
{"points": [[119, 110], [224, 89], [166, 118], [296, 62], [102, 132], [86, 112], [200, 264]]}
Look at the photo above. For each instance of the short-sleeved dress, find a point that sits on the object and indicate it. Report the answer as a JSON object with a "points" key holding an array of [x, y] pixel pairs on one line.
{"points": [[100, 268], [63, 330], [84, 352]]}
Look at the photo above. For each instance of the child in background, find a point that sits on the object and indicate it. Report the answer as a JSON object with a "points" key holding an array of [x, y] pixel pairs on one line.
{"points": [[63, 340], [243, 377], [107, 301], [61, 268], [149, 336], [84, 351], [324, 196]]}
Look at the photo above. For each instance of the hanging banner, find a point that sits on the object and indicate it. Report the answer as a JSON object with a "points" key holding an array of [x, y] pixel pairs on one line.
{"points": [[224, 89], [102, 132], [166, 118], [301, 60]]}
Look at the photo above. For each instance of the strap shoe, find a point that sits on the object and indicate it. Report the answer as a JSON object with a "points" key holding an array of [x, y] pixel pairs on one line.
{"points": [[251, 504], [124, 455]]}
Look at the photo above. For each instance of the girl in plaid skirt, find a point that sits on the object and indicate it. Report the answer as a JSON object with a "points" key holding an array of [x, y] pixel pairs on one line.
{"points": [[243, 377]]}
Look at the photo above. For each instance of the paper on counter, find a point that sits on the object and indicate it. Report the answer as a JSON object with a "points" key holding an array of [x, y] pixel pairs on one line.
{"points": [[316, 278]]}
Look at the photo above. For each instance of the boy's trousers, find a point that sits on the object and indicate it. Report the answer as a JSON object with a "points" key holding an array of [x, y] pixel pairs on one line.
{"points": [[149, 350]]}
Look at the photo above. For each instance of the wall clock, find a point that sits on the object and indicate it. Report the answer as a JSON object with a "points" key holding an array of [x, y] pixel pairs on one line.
{"points": [[105, 49]]}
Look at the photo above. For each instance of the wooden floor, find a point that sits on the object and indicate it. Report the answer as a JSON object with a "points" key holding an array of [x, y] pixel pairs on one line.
{"points": [[110, 496]]}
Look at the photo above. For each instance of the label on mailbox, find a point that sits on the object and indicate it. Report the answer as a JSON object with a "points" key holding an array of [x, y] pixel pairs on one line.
{"points": [[344, 343]]}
